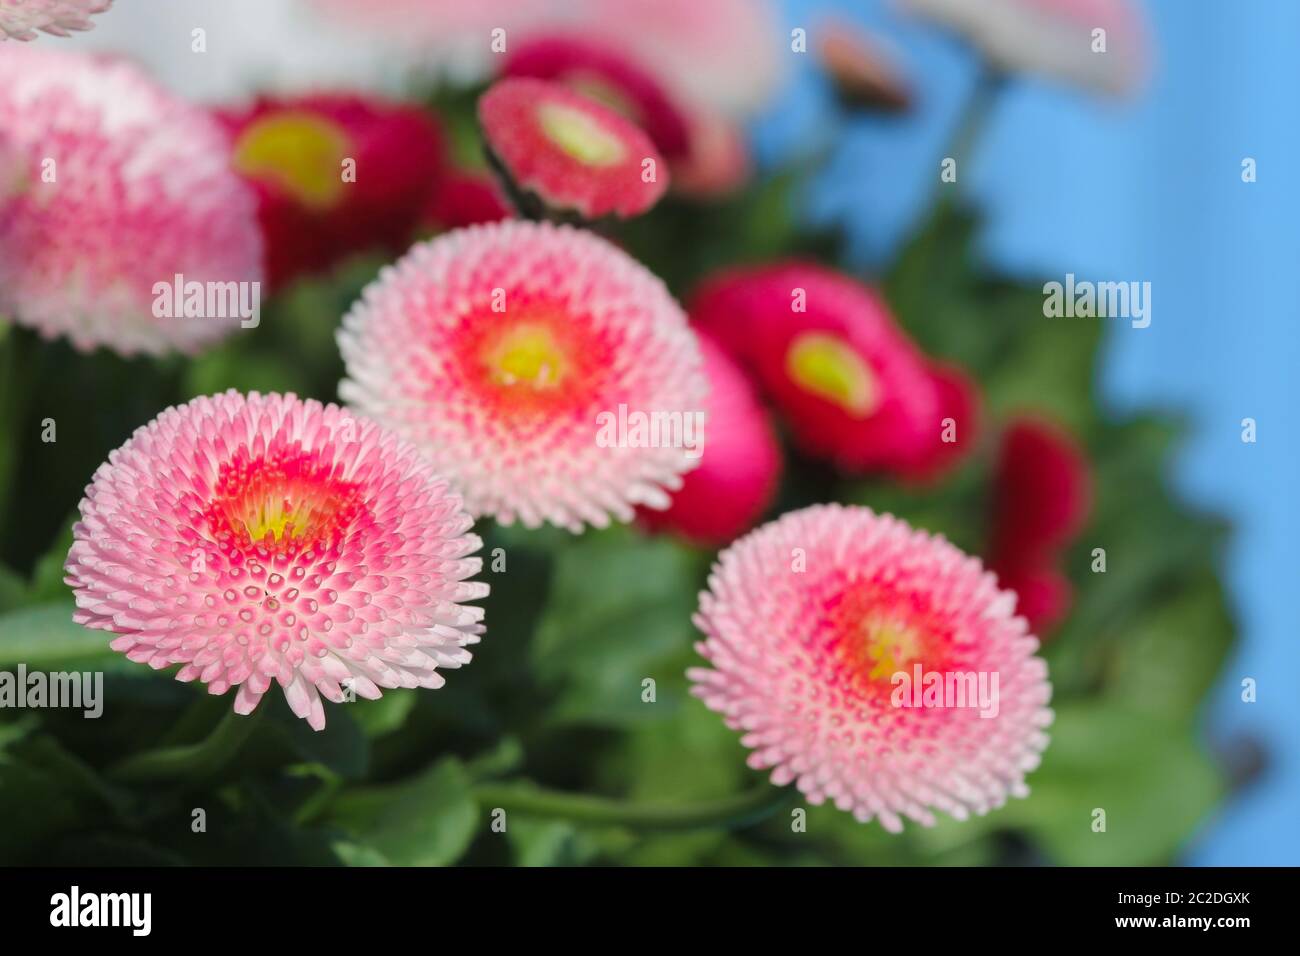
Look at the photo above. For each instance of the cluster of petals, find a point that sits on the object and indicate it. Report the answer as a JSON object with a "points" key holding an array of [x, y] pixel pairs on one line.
{"points": [[527, 360], [821, 629], [561, 153], [262, 539], [24, 19], [111, 187], [1042, 494], [335, 174], [826, 351]]}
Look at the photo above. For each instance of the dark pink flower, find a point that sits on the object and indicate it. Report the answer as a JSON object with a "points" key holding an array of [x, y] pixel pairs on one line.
{"points": [[741, 464]]}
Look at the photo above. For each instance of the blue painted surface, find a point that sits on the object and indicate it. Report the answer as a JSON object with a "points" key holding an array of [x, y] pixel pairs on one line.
{"points": [[1146, 191]]}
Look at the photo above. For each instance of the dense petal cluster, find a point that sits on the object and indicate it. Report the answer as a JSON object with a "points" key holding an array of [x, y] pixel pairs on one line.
{"points": [[335, 174], [565, 153], [1055, 38], [827, 352], [738, 473], [548, 374], [22, 19], [111, 186], [1042, 493], [817, 626], [265, 539], [606, 75]]}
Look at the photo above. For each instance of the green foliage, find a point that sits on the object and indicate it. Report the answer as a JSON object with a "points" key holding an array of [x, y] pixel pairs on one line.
{"points": [[557, 696]]}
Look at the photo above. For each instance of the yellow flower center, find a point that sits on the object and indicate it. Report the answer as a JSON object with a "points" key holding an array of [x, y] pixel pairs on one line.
{"points": [[829, 368], [527, 354], [889, 646], [300, 152], [580, 135]]}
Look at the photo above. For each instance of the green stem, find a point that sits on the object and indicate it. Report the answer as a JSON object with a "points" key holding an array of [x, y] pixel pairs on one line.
{"points": [[738, 810], [192, 761], [19, 354]]}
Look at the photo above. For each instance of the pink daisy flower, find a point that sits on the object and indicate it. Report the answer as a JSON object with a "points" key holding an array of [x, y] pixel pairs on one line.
{"points": [[1053, 37], [265, 539], [738, 473], [527, 360], [818, 626], [119, 187], [607, 76], [719, 161], [21, 19], [828, 353], [293, 151], [464, 198], [565, 152]]}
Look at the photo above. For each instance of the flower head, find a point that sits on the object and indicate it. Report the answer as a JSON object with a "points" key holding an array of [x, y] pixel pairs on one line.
{"points": [[335, 174], [738, 472], [826, 350], [545, 372], [568, 152], [21, 19], [605, 74], [262, 538], [118, 187], [863, 75], [1042, 493], [817, 626], [1058, 38], [719, 160]]}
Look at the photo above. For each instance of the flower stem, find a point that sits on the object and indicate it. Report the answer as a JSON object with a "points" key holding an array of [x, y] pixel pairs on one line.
{"points": [[734, 811], [191, 761]]}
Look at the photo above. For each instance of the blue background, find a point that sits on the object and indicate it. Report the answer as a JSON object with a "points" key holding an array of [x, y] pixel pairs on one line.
{"points": [[1149, 190]]}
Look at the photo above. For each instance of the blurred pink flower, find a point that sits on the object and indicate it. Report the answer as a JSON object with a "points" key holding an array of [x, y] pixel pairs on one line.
{"points": [[119, 186], [569, 153], [294, 150], [727, 54], [827, 352], [1053, 37], [816, 626], [608, 76], [738, 473], [719, 161], [261, 538], [465, 199], [21, 19], [863, 74], [505, 350]]}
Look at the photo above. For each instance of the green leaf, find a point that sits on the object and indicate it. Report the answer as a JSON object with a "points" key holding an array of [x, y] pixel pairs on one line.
{"points": [[1146, 772], [620, 610], [45, 637], [428, 820]]}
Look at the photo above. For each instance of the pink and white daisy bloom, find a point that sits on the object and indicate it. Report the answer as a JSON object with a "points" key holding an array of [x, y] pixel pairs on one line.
{"points": [[522, 357], [567, 153], [824, 625], [21, 19], [1053, 37], [266, 539], [118, 186]]}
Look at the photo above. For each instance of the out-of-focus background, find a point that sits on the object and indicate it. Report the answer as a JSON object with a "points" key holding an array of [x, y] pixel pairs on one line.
{"points": [[1146, 190]]}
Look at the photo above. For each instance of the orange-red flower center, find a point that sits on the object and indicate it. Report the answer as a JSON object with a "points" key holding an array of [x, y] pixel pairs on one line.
{"points": [[285, 501]]}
